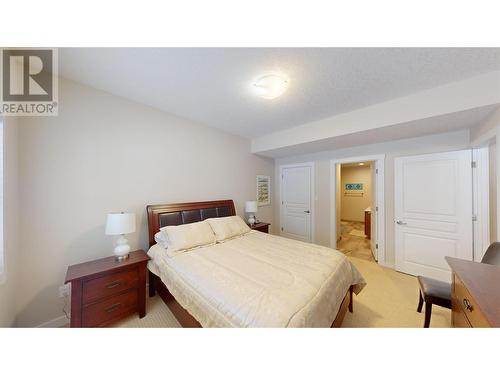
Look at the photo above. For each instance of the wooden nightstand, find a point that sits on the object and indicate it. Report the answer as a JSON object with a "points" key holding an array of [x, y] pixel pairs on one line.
{"points": [[105, 290], [261, 227]]}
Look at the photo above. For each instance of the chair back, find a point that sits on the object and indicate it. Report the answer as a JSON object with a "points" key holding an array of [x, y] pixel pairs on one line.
{"points": [[492, 254]]}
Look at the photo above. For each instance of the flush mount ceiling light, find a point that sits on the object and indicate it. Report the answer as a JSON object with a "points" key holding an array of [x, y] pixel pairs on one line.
{"points": [[361, 163], [270, 86]]}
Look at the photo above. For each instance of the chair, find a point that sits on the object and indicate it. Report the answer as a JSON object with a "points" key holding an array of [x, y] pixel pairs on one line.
{"points": [[436, 292]]}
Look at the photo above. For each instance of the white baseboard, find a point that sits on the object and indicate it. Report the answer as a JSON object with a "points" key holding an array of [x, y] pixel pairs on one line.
{"points": [[55, 323], [386, 265]]}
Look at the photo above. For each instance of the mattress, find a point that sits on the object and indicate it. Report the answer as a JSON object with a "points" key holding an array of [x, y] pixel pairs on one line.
{"points": [[258, 280]]}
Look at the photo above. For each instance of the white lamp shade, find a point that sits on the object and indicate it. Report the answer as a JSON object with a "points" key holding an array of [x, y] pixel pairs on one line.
{"points": [[120, 223], [251, 206]]}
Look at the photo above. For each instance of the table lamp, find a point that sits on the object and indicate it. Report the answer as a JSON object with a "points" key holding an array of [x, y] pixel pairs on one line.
{"points": [[120, 224], [251, 209]]}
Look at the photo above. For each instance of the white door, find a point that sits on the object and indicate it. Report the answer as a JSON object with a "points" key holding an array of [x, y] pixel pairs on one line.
{"points": [[296, 202], [433, 212]]}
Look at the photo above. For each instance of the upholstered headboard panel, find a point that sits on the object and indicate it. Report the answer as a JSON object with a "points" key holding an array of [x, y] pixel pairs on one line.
{"points": [[161, 215]]}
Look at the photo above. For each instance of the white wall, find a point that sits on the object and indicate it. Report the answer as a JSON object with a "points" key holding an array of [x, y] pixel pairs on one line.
{"points": [[413, 146], [354, 205], [9, 285], [102, 154]]}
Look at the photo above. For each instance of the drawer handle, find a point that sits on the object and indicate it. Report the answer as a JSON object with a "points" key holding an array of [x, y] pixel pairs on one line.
{"points": [[467, 305], [113, 307], [114, 284]]}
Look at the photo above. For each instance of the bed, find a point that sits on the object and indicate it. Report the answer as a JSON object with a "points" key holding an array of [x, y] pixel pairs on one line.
{"points": [[254, 280]]}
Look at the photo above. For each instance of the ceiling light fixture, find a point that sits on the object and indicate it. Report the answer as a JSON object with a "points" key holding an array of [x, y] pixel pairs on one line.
{"points": [[361, 163], [270, 86]]}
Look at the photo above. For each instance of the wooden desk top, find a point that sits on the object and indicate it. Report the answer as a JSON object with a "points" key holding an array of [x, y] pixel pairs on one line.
{"points": [[98, 266], [483, 283]]}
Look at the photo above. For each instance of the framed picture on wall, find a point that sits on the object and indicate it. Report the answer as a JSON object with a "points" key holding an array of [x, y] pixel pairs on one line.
{"points": [[354, 187], [263, 190]]}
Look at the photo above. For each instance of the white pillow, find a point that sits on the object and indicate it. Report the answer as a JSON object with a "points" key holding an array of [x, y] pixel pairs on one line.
{"points": [[161, 240], [187, 236], [228, 227]]}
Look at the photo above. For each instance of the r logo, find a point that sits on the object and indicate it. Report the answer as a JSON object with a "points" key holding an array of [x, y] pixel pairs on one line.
{"points": [[33, 81]]}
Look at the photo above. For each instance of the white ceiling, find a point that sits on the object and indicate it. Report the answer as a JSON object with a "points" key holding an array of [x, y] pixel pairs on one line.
{"points": [[211, 85]]}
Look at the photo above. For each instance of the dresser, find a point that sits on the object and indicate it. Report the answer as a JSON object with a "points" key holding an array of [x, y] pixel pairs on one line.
{"points": [[475, 294], [104, 291]]}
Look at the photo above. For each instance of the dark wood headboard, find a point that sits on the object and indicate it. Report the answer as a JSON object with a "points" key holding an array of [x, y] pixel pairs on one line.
{"points": [[161, 215]]}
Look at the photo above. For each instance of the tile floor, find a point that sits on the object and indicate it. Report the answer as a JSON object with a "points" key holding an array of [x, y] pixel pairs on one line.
{"points": [[352, 245]]}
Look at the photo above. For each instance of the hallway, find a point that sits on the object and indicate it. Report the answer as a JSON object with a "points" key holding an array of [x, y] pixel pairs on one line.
{"points": [[353, 242]]}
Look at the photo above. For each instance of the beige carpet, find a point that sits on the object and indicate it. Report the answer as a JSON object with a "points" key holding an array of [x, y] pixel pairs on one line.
{"points": [[157, 316], [389, 300]]}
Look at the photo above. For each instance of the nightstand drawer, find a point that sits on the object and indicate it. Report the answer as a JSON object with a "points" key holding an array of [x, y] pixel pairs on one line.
{"points": [[108, 285], [101, 313], [462, 298]]}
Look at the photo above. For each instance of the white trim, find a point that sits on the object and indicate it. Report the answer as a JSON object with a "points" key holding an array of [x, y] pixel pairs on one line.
{"points": [[386, 264], [485, 138], [480, 202], [55, 323], [380, 199], [313, 196]]}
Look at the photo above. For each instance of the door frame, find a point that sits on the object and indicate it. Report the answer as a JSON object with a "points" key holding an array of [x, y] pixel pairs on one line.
{"points": [[480, 202], [379, 162], [313, 195], [480, 188]]}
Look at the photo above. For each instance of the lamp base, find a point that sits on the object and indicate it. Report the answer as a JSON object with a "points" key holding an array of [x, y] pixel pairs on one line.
{"points": [[121, 257], [122, 248], [251, 220]]}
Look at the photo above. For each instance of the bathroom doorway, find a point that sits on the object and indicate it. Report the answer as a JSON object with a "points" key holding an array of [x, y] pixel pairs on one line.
{"points": [[357, 200]]}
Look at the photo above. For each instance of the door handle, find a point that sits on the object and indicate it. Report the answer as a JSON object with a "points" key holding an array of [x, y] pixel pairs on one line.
{"points": [[399, 222], [307, 212]]}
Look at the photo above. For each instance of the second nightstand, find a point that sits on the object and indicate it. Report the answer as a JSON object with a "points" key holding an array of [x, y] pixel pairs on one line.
{"points": [[261, 227], [106, 290]]}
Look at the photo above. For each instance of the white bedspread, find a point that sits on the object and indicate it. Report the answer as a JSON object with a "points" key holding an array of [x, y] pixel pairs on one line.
{"points": [[258, 280]]}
